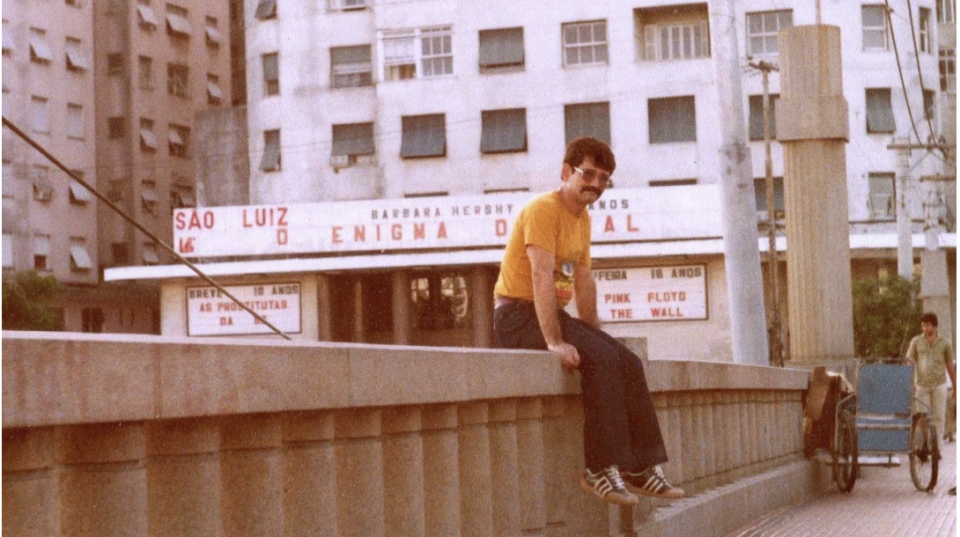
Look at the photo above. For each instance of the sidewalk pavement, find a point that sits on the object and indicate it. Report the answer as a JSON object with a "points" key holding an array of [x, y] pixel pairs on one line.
{"points": [[884, 503]]}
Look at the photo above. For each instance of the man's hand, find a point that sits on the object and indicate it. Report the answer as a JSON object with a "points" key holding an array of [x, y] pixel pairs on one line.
{"points": [[569, 357]]}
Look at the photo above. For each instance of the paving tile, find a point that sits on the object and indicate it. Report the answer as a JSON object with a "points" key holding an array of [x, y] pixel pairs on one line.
{"points": [[884, 502]]}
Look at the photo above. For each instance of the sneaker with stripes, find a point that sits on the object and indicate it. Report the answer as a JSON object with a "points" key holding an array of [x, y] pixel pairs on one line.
{"points": [[608, 485], [651, 482]]}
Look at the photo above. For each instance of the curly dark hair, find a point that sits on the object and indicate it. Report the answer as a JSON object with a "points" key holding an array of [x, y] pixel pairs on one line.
{"points": [[597, 150], [931, 318]]}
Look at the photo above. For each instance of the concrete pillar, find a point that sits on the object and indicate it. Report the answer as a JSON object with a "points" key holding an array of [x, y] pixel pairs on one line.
{"points": [[359, 459], [688, 437], [812, 127], [504, 464], [935, 289], [359, 334], [556, 456], [481, 297], [400, 299], [183, 477], [403, 472], [668, 414], [103, 484], [476, 481], [251, 475], [309, 470], [324, 308], [441, 470], [711, 436], [29, 484], [531, 465]]}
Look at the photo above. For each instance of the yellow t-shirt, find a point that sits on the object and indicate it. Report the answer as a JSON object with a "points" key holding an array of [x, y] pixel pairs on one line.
{"points": [[547, 223]]}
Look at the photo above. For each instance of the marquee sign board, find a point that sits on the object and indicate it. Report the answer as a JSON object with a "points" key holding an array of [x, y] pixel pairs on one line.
{"points": [[211, 313], [622, 215], [670, 293]]}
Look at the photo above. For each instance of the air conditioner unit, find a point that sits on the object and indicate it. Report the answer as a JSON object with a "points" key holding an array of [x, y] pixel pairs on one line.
{"points": [[340, 161]]}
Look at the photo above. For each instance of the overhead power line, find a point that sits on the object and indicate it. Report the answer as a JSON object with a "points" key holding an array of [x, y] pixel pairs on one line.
{"points": [[7, 123]]}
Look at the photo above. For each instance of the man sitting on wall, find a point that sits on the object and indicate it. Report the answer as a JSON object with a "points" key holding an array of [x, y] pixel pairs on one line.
{"points": [[546, 263]]}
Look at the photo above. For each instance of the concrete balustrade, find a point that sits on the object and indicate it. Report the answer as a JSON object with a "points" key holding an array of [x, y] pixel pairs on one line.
{"points": [[124, 435]]}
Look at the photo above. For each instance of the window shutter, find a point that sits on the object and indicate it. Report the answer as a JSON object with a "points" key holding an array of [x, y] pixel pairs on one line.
{"points": [[500, 48], [424, 136], [353, 139]]}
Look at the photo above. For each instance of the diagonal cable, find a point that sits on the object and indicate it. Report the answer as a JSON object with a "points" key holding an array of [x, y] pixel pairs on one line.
{"points": [[7, 123]]}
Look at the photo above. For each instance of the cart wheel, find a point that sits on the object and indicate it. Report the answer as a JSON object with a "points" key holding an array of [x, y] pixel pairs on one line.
{"points": [[924, 454], [845, 465]]}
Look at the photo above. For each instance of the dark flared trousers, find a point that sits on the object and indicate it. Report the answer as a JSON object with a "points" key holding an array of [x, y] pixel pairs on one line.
{"points": [[620, 424]]}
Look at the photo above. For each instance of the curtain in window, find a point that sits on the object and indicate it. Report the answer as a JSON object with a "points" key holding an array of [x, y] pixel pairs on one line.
{"points": [[589, 119], [271, 151], [424, 136], [672, 119], [501, 48], [880, 111], [504, 131]]}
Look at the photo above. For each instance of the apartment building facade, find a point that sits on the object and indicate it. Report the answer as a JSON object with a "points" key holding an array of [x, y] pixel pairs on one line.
{"points": [[385, 108]]}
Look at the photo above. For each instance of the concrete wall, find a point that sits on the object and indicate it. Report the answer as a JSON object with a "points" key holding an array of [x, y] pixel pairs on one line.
{"points": [[123, 435]]}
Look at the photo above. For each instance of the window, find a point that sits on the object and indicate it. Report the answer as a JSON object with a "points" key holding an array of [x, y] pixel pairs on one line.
{"points": [[760, 194], [588, 119], [178, 22], [267, 9], [677, 41], [948, 70], [925, 36], [672, 182], [344, 5], [882, 196], [930, 104], [74, 121], [146, 18], [271, 74], [42, 189], [756, 116], [150, 253], [213, 34], [120, 253], [946, 11], [879, 111], [672, 119], [8, 250], [76, 59], [501, 50], [214, 93], [350, 141], [148, 138], [91, 320], [178, 139], [116, 127], [178, 79], [145, 72], [148, 197], [182, 197], [763, 29], [79, 195], [271, 162], [350, 67], [403, 59], [504, 131], [40, 121], [115, 64], [437, 48], [585, 43], [874, 28], [115, 193], [424, 136], [41, 252], [39, 50], [7, 38]]}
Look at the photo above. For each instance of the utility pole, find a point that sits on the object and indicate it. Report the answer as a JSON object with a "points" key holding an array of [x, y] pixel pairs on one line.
{"points": [[904, 231], [773, 269], [741, 255]]}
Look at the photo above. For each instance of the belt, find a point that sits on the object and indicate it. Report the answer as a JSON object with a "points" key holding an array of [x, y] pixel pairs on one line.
{"points": [[506, 301]]}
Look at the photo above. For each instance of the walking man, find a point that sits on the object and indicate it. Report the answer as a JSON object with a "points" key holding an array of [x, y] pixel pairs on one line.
{"points": [[934, 358], [545, 265]]}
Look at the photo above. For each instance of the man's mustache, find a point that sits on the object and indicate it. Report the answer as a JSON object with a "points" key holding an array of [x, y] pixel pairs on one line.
{"points": [[593, 189]]}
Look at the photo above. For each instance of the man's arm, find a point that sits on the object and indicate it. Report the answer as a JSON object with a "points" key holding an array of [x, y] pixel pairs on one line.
{"points": [[951, 370], [585, 292], [542, 263]]}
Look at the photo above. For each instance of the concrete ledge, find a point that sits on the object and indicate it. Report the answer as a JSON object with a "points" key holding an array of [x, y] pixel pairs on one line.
{"points": [[718, 512], [58, 378]]}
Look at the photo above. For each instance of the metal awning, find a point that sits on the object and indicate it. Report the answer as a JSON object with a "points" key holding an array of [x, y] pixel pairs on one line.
{"points": [[178, 24], [147, 16]]}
